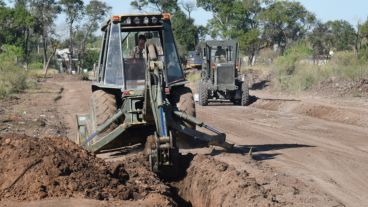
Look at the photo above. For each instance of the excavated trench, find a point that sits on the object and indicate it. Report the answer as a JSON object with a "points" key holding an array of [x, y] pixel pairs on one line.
{"points": [[50, 168], [205, 181]]}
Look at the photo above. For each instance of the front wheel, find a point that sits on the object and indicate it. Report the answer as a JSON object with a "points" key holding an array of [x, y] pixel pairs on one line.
{"points": [[203, 93], [245, 95]]}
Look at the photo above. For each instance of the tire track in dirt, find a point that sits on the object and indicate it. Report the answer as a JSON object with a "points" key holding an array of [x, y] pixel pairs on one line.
{"points": [[328, 154]]}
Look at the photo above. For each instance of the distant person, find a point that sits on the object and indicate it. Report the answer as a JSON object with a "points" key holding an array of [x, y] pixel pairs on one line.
{"points": [[139, 49], [220, 54]]}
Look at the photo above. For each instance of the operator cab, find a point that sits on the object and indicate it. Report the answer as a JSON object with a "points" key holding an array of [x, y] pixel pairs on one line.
{"points": [[222, 53], [119, 65]]}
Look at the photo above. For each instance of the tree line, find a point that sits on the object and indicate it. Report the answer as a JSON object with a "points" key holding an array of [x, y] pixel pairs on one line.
{"points": [[30, 26], [261, 24], [256, 24]]}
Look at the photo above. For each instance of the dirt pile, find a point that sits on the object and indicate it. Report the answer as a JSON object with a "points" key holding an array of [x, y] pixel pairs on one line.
{"points": [[33, 168], [331, 87], [213, 183]]}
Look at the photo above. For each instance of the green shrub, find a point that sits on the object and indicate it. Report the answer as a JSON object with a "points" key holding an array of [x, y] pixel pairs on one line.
{"points": [[13, 79], [90, 58], [287, 67], [294, 74], [286, 64], [347, 66], [84, 76], [35, 66]]}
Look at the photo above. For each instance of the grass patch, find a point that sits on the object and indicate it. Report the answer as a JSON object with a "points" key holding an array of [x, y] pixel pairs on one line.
{"points": [[39, 73], [84, 76], [295, 72], [12, 79]]}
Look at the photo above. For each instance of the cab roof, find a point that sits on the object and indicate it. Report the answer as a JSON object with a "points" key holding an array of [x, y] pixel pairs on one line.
{"points": [[123, 17]]}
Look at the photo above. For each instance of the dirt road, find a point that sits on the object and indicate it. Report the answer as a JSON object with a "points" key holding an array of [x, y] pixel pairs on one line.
{"points": [[304, 152], [323, 142]]}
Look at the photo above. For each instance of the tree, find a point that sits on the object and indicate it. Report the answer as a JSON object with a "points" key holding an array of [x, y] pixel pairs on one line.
{"points": [[343, 34], [284, 22], [95, 12], [74, 12], [321, 40], [188, 6], [236, 19], [361, 44], [54, 46], [22, 26], [227, 15], [157, 5], [45, 11], [185, 32], [202, 32]]}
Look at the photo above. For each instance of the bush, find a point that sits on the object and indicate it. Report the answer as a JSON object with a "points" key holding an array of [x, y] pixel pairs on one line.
{"points": [[12, 78], [288, 66], [295, 74], [84, 76], [90, 58], [347, 66], [35, 66]]}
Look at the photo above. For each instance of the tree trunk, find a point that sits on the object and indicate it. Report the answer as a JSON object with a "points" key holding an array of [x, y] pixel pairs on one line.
{"points": [[46, 67], [26, 58], [44, 44], [70, 46], [82, 51]]}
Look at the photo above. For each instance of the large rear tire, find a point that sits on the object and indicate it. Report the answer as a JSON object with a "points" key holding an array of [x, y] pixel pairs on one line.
{"points": [[103, 107], [203, 93]]}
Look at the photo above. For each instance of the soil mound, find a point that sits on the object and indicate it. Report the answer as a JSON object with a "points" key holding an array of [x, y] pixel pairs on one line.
{"points": [[214, 183], [33, 168], [331, 87]]}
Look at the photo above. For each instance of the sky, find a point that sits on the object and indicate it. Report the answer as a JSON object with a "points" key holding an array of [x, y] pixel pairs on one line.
{"points": [[325, 10], [350, 10]]}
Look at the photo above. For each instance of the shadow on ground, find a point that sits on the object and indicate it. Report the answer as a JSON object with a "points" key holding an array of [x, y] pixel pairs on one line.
{"points": [[260, 85], [257, 151], [252, 99]]}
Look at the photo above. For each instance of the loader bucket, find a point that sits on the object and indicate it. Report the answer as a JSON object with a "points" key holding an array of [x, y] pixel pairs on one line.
{"points": [[93, 141]]}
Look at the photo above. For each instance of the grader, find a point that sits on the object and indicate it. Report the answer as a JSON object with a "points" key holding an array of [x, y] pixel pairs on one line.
{"points": [[146, 93], [220, 78]]}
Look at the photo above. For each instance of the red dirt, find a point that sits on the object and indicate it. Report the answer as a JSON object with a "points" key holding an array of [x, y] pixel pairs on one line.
{"points": [[209, 182], [299, 158], [34, 168]]}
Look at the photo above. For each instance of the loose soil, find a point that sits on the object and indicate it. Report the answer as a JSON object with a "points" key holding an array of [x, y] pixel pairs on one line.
{"points": [[35, 168], [283, 156]]}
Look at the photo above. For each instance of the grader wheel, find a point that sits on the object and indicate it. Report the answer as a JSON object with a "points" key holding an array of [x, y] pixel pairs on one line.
{"points": [[245, 95], [203, 93]]}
